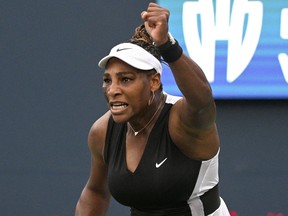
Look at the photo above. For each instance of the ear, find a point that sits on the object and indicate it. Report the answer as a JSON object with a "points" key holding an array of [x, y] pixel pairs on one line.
{"points": [[155, 82]]}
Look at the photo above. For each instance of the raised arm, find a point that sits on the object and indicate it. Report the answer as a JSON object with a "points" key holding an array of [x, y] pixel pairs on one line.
{"points": [[95, 197], [192, 119]]}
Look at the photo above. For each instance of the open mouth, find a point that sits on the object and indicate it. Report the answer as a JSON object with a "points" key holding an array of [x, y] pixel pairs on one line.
{"points": [[118, 106]]}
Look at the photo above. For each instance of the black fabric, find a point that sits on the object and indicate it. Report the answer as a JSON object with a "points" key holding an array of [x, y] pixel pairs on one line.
{"points": [[150, 188], [211, 200]]}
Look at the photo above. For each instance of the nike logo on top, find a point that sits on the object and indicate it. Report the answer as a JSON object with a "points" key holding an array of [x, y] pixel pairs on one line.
{"points": [[158, 165], [120, 49]]}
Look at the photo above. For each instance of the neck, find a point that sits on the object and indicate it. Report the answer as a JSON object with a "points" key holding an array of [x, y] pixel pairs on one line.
{"points": [[152, 118]]}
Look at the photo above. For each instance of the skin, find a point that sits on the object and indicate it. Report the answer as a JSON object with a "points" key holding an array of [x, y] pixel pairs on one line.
{"points": [[191, 124]]}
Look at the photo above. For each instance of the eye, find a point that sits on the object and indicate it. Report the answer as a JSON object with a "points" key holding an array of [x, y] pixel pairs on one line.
{"points": [[126, 79], [106, 81]]}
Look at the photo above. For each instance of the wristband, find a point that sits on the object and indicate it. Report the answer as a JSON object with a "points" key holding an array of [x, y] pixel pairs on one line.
{"points": [[170, 51]]}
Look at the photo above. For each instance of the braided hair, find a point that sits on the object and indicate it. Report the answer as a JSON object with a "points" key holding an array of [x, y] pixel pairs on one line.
{"points": [[143, 39]]}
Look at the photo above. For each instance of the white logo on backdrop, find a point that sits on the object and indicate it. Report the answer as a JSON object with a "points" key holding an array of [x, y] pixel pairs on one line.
{"points": [[223, 23], [283, 57]]}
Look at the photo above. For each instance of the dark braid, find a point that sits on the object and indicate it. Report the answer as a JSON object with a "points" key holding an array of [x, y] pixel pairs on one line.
{"points": [[143, 39]]}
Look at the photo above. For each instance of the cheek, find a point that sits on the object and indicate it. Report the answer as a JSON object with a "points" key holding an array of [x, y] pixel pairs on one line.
{"points": [[142, 96], [140, 90]]}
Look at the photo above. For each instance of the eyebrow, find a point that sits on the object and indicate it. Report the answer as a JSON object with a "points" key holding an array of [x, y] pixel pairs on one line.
{"points": [[120, 73]]}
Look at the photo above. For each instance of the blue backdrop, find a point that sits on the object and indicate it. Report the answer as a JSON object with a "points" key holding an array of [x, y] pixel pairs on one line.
{"points": [[241, 45]]}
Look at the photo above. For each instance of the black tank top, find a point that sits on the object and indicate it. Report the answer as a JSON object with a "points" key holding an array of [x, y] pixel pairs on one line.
{"points": [[164, 179]]}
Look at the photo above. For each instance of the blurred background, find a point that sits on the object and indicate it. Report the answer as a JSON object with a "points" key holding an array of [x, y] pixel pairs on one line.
{"points": [[50, 95]]}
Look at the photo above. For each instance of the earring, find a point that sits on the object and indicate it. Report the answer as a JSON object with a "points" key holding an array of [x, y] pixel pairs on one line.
{"points": [[151, 98]]}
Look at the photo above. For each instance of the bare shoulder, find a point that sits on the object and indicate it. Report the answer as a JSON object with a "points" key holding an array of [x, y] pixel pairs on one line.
{"points": [[97, 134]]}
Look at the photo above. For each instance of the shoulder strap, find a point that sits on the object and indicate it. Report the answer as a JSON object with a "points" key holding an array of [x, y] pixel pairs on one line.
{"points": [[113, 136]]}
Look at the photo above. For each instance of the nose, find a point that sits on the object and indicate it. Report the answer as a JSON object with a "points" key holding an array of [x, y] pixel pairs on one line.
{"points": [[113, 90]]}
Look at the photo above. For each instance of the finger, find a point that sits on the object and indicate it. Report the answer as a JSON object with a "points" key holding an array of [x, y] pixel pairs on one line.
{"points": [[156, 19], [153, 5], [144, 15], [152, 18], [159, 12]]}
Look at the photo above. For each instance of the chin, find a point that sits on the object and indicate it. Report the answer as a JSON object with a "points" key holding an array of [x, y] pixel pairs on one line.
{"points": [[119, 119]]}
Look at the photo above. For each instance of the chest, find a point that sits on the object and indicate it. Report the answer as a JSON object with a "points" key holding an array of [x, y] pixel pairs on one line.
{"points": [[162, 175], [135, 147]]}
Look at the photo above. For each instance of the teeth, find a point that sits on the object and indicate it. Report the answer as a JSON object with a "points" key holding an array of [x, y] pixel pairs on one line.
{"points": [[118, 106]]}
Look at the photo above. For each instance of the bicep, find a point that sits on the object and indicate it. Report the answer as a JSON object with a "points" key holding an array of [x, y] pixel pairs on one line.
{"points": [[194, 131], [193, 120], [95, 197], [98, 171], [97, 181]]}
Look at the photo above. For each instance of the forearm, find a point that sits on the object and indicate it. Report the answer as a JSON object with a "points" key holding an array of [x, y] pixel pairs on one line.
{"points": [[191, 81], [92, 204], [188, 75]]}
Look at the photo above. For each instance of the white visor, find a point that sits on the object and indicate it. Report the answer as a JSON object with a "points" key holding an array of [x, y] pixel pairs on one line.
{"points": [[133, 55]]}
